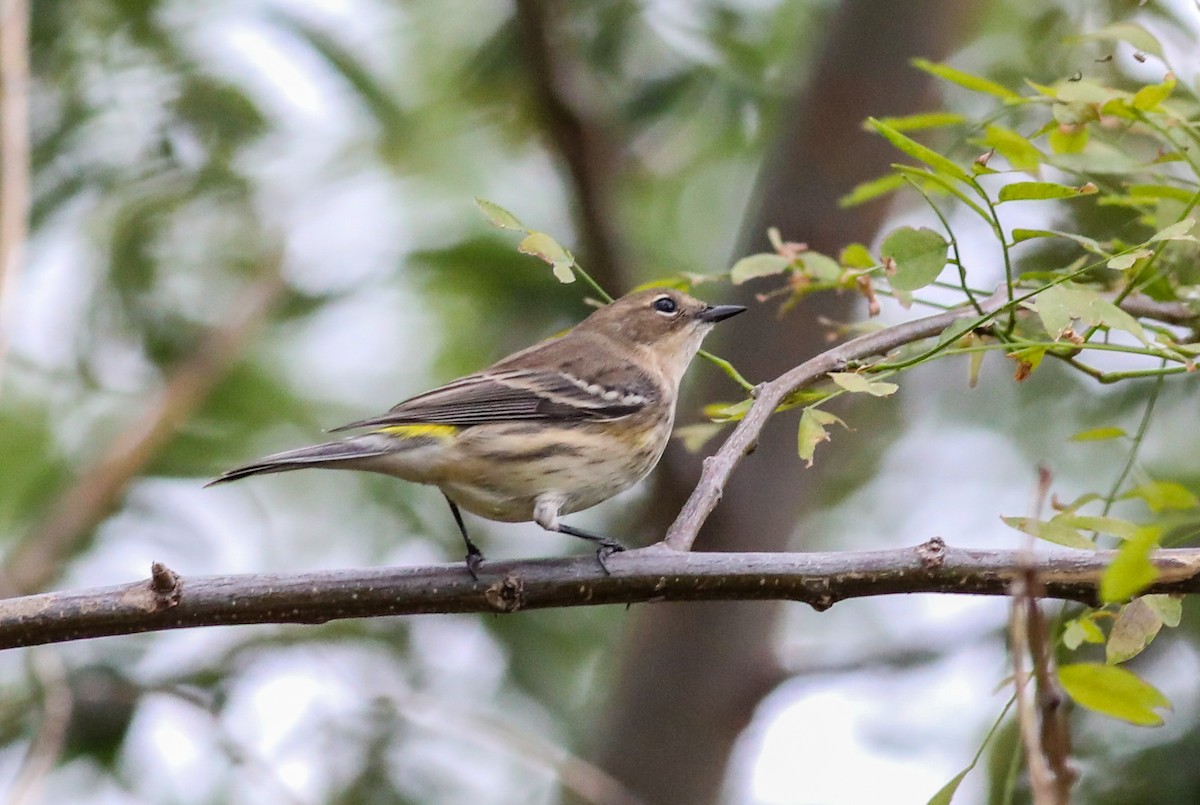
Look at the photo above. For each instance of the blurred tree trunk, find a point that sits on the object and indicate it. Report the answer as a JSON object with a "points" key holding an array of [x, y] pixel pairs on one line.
{"points": [[692, 674]]}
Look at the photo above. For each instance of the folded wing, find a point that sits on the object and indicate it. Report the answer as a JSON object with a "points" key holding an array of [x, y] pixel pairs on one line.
{"points": [[522, 394]]}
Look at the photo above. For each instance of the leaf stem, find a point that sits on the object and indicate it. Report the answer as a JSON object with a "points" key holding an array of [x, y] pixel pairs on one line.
{"points": [[1151, 401]]}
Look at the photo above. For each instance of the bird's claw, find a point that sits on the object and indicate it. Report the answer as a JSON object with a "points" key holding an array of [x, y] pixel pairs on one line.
{"points": [[607, 549], [474, 560]]}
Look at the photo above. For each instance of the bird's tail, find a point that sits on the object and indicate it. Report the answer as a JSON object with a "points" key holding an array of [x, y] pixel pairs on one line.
{"points": [[330, 454]]}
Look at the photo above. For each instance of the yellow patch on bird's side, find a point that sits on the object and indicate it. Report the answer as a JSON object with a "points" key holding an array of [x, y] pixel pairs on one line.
{"points": [[420, 431]]}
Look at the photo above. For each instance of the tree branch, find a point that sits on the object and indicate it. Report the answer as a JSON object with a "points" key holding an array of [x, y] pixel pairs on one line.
{"points": [[718, 467], [168, 601], [1144, 307]]}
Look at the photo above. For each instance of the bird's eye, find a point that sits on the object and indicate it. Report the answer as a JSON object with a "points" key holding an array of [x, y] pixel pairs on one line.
{"points": [[665, 305]]}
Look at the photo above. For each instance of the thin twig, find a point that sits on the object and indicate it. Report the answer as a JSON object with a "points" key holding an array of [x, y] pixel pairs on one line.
{"points": [[43, 752], [1041, 716], [1040, 784], [1051, 701], [14, 157], [641, 576]]}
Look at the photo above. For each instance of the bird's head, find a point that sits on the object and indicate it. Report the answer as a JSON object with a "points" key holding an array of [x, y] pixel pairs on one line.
{"points": [[662, 322]]}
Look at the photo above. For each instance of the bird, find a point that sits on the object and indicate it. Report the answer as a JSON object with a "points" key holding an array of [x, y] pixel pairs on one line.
{"points": [[550, 430]]}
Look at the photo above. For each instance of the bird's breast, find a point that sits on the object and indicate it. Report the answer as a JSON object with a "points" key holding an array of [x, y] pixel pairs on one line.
{"points": [[498, 471]]}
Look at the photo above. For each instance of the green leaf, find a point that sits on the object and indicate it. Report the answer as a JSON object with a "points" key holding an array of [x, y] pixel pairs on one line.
{"points": [[1058, 533], [1099, 434], [679, 282], [1108, 314], [694, 437], [1176, 231], [541, 245], [1126, 261], [765, 264], [1122, 529], [1030, 358], [1091, 245], [1068, 139], [497, 216], [727, 412], [727, 368], [966, 80], [1161, 191], [1168, 607], [1060, 305], [946, 793], [859, 384], [920, 152], [1020, 235], [820, 267], [919, 256], [1080, 96], [1019, 151], [1164, 495], [925, 120], [812, 432], [1113, 691], [857, 255], [1129, 32], [1131, 571], [871, 190], [1081, 501], [1148, 98], [1081, 630], [1026, 191], [957, 329], [1135, 627], [1099, 158]]}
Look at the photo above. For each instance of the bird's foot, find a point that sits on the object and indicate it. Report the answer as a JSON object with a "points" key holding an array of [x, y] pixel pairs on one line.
{"points": [[607, 548], [474, 560], [608, 545]]}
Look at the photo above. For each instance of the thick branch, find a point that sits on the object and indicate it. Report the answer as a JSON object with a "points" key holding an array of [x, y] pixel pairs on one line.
{"points": [[167, 601]]}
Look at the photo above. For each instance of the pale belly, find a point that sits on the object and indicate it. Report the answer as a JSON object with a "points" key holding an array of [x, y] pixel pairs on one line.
{"points": [[596, 466]]}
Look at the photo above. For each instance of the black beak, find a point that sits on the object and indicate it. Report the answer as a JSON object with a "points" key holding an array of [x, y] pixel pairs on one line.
{"points": [[716, 313]]}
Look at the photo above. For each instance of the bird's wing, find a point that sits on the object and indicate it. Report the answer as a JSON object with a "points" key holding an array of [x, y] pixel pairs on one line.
{"points": [[523, 394]]}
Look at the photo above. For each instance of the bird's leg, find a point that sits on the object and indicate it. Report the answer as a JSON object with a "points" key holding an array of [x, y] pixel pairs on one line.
{"points": [[474, 555], [608, 545], [545, 514]]}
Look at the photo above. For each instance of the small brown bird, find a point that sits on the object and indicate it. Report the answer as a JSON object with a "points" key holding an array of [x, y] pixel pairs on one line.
{"points": [[550, 430]]}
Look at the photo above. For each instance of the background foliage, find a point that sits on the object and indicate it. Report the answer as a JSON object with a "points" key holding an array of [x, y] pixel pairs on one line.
{"points": [[253, 220]]}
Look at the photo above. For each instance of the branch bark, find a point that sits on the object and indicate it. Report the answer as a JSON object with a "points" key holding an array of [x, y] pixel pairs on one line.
{"points": [[649, 575]]}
